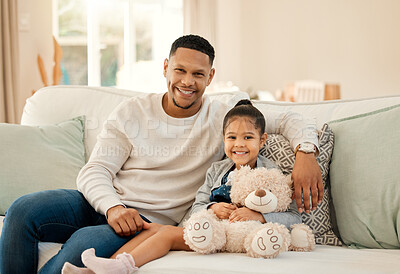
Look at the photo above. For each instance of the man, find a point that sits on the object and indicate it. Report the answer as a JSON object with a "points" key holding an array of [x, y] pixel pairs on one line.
{"points": [[147, 165]]}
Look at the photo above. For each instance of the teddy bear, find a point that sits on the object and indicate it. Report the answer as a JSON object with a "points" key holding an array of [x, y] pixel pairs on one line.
{"points": [[263, 190]]}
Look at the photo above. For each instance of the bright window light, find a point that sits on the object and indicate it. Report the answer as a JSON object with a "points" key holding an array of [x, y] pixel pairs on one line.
{"points": [[119, 43]]}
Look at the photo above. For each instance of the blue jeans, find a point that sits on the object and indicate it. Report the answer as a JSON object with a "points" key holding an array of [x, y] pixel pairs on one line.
{"points": [[62, 216]]}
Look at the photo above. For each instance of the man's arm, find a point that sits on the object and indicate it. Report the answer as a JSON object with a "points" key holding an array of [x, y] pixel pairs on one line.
{"points": [[306, 172], [307, 180], [95, 180], [125, 221]]}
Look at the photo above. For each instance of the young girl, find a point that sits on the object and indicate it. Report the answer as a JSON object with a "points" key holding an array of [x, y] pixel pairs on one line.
{"points": [[243, 136]]}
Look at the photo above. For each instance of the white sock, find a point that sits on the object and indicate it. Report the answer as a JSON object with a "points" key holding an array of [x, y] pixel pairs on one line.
{"points": [[69, 268], [123, 264]]}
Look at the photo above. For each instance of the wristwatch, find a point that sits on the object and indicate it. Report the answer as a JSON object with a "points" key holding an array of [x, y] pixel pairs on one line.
{"points": [[306, 147]]}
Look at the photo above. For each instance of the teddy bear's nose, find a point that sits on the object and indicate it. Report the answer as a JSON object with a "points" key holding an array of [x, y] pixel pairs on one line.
{"points": [[260, 193]]}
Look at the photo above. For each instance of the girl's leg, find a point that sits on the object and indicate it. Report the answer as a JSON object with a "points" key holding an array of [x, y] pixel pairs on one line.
{"points": [[166, 239], [141, 237], [157, 245]]}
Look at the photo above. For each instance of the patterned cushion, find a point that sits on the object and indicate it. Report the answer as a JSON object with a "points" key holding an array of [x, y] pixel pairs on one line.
{"points": [[277, 149]]}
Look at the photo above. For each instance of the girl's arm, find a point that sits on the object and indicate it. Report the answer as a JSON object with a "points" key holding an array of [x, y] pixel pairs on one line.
{"points": [[287, 218], [202, 200]]}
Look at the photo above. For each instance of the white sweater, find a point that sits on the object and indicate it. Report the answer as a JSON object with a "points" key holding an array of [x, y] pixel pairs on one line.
{"points": [[155, 163]]}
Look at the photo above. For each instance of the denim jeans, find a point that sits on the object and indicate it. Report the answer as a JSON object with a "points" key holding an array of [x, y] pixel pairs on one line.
{"points": [[62, 216]]}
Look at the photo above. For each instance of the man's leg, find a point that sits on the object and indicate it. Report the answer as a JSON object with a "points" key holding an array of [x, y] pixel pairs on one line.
{"points": [[43, 216], [100, 237]]}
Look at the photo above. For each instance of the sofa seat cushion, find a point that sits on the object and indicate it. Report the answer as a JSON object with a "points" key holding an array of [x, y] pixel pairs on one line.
{"points": [[331, 259]]}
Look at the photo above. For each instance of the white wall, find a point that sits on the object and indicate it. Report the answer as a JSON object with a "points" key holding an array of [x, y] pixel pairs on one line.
{"points": [[355, 43], [264, 44], [228, 45], [36, 39]]}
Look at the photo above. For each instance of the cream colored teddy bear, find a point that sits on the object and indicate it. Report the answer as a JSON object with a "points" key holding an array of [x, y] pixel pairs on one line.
{"points": [[263, 190]]}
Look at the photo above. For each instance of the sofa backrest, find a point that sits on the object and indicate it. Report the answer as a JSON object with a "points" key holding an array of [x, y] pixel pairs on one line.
{"points": [[326, 111], [54, 104]]}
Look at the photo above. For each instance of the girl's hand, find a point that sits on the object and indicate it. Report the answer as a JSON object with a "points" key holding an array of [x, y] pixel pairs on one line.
{"points": [[223, 210], [245, 214]]}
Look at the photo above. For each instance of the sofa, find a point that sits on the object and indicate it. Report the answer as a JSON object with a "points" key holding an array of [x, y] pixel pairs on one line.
{"points": [[366, 227]]}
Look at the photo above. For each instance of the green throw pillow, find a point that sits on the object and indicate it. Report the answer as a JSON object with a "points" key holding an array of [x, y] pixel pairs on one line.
{"points": [[36, 158], [365, 178]]}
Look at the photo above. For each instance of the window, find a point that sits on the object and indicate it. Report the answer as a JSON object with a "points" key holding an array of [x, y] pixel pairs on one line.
{"points": [[119, 43]]}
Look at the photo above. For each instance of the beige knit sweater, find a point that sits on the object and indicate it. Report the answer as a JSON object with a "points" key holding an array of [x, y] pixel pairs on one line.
{"points": [[155, 163]]}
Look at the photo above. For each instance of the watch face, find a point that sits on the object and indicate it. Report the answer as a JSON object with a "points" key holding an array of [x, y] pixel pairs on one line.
{"points": [[307, 147]]}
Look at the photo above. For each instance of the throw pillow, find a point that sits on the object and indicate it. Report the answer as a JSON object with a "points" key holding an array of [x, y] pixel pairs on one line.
{"points": [[365, 180], [277, 149], [35, 158]]}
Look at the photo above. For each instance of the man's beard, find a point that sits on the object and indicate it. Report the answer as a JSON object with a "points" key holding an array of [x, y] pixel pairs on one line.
{"points": [[187, 107]]}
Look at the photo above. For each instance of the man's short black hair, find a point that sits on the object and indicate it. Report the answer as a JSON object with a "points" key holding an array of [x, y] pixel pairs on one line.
{"points": [[195, 42]]}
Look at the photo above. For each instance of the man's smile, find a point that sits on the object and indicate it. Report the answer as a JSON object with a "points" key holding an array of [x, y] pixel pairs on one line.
{"points": [[185, 91]]}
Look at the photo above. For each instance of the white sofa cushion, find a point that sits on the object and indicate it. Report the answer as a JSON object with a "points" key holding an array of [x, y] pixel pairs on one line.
{"points": [[326, 259]]}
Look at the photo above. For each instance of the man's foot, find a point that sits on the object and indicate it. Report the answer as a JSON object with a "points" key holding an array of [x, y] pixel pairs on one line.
{"points": [[122, 264], [69, 268]]}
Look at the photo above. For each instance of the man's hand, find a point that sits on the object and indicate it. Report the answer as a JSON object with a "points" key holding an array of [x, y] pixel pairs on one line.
{"points": [[125, 221], [245, 214], [307, 178], [223, 210]]}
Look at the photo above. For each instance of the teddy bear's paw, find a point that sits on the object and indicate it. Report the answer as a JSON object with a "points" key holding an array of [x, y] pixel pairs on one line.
{"points": [[269, 241], [302, 238], [199, 233], [204, 232]]}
